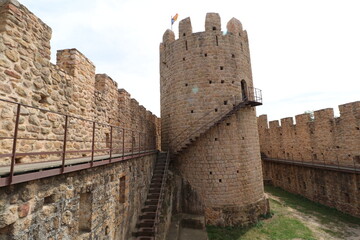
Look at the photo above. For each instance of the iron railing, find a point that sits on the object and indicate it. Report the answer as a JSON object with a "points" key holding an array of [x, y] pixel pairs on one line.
{"points": [[74, 143], [253, 97]]}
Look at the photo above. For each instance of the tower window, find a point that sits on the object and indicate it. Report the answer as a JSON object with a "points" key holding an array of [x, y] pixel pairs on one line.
{"points": [[205, 54], [216, 139], [217, 41], [186, 84], [186, 45], [220, 180], [233, 55], [183, 59], [214, 28], [184, 34], [192, 111], [216, 109], [225, 102], [222, 81], [221, 68], [210, 82]]}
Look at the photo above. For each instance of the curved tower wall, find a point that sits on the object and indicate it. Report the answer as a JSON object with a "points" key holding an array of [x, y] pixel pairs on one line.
{"points": [[201, 75]]}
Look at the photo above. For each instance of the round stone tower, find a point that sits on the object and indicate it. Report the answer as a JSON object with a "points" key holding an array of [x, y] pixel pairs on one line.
{"points": [[209, 121]]}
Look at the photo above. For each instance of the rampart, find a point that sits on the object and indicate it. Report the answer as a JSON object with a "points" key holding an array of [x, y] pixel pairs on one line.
{"points": [[318, 157], [67, 102]]}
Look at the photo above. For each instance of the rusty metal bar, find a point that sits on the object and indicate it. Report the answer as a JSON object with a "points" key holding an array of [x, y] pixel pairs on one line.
{"points": [[93, 145], [111, 130], [14, 143], [132, 142], [123, 143], [64, 144]]}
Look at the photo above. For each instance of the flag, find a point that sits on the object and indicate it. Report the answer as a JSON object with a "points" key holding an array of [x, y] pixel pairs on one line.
{"points": [[174, 18]]}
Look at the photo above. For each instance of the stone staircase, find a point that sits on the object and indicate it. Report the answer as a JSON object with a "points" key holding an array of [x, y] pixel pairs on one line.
{"points": [[147, 222], [181, 145]]}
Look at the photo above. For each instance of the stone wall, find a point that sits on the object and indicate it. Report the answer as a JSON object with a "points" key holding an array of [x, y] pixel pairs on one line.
{"points": [[335, 189], [99, 203], [202, 76], [70, 87], [321, 139]]}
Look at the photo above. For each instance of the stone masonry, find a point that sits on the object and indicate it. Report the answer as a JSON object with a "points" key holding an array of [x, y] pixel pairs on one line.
{"points": [[322, 140], [202, 76], [98, 203]]}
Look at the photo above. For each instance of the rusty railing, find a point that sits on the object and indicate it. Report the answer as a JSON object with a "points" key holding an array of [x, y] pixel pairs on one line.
{"points": [[55, 143]]}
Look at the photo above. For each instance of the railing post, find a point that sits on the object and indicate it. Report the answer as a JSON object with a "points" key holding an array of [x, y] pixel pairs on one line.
{"points": [[139, 142], [64, 145], [123, 143], [111, 131], [132, 142], [93, 145], [14, 144]]}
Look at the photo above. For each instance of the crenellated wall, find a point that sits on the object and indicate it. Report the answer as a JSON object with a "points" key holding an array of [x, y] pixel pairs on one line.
{"points": [[321, 139], [70, 87], [321, 153], [99, 203]]}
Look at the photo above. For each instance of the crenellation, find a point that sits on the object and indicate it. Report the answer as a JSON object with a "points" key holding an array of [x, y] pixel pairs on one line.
{"points": [[213, 23], [72, 88], [234, 26], [324, 138], [185, 28]]}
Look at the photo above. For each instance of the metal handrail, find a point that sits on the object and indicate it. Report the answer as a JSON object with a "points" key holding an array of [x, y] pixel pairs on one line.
{"points": [[253, 95], [142, 146]]}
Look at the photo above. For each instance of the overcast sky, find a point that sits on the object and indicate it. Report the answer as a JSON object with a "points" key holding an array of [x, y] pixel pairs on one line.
{"points": [[305, 54]]}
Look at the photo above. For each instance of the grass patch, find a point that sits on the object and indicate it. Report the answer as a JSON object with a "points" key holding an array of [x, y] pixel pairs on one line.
{"points": [[279, 228], [324, 213]]}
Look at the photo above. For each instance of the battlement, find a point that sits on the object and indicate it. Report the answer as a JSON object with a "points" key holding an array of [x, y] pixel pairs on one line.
{"points": [[321, 137], [212, 26]]}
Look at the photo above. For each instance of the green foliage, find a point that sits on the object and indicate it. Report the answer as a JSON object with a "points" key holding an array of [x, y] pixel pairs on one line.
{"points": [[304, 205]]}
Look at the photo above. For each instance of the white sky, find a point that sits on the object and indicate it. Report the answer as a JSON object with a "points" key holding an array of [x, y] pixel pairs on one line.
{"points": [[305, 54]]}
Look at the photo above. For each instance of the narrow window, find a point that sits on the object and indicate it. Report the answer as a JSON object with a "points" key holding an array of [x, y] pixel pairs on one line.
{"points": [[183, 59], [214, 28], [220, 180], [225, 102], [216, 139], [192, 111], [85, 210], [216, 109], [122, 190], [221, 68], [244, 90], [186, 84], [222, 81], [227, 124], [205, 54], [184, 34], [210, 173], [217, 41], [210, 82], [186, 46], [233, 55]]}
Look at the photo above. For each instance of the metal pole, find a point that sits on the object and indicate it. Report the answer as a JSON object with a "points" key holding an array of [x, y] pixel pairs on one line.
{"points": [[123, 144], [14, 143], [132, 142], [111, 130], [139, 142], [93, 145], [64, 145]]}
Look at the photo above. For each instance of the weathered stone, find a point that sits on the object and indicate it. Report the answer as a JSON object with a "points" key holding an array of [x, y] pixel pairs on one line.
{"points": [[24, 210], [33, 119], [4, 63], [8, 216], [5, 88], [12, 55], [20, 91], [12, 74]]}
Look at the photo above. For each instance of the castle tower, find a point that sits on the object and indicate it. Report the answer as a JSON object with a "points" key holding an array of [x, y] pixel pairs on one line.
{"points": [[209, 121]]}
